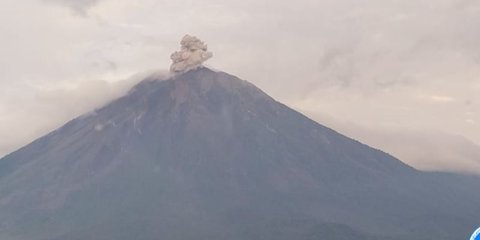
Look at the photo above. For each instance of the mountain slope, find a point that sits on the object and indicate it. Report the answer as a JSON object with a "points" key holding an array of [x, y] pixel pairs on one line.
{"points": [[205, 155]]}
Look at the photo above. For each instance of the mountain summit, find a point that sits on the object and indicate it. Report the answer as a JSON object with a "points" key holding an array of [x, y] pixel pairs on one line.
{"points": [[205, 155]]}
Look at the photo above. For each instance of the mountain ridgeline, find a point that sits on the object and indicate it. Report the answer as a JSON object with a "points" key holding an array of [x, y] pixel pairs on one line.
{"points": [[205, 155]]}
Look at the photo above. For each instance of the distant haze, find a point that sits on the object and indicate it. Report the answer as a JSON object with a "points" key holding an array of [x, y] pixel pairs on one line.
{"points": [[403, 76]]}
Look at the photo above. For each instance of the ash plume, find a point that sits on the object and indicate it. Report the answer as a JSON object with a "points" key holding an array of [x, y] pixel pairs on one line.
{"points": [[192, 54]]}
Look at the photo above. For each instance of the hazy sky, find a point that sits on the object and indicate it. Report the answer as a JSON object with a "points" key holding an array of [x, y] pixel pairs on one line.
{"points": [[397, 74]]}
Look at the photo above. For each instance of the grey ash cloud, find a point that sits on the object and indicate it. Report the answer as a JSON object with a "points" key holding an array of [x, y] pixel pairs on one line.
{"points": [[193, 53]]}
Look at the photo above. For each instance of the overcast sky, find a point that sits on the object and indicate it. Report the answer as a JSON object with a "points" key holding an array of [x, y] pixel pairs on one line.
{"points": [[400, 75]]}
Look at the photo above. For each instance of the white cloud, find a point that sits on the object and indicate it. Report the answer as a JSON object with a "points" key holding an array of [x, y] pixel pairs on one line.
{"points": [[442, 99], [470, 121]]}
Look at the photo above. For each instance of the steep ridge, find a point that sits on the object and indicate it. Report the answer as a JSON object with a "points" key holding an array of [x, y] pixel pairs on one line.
{"points": [[205, 155]]}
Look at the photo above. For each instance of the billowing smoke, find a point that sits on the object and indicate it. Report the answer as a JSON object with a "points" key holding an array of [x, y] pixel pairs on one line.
{"points": [[192, 54]]}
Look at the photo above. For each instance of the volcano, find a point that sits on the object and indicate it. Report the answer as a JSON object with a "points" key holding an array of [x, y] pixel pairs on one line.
{"points": [[206, 155]]}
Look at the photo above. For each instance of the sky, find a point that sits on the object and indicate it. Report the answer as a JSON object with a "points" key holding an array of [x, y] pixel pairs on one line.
{"points": [[399, 75]]}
